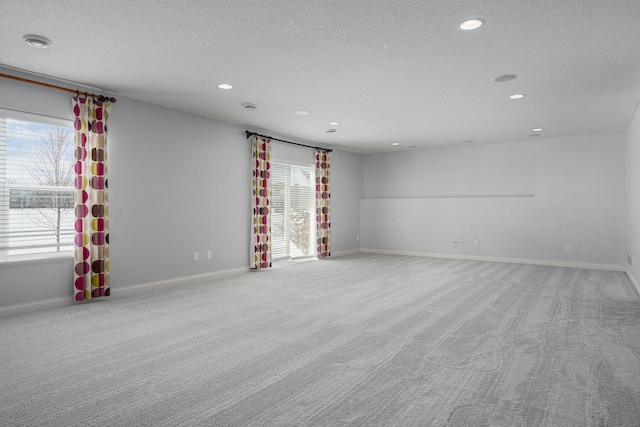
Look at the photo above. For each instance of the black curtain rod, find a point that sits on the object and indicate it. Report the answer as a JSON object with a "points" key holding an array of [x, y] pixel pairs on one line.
{"points": [[250, 134]]}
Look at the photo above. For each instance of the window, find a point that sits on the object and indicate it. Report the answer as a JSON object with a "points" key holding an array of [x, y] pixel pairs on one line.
{"points": [[293, 207], [36, 184]]}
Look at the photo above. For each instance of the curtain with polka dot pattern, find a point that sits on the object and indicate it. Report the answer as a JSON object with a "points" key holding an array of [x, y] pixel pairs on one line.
{"points": [[260, 256], [91, 262], [323, 203]]}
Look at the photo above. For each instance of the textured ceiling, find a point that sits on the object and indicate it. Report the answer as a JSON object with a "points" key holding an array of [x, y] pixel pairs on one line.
{"points": [[388, 71]]}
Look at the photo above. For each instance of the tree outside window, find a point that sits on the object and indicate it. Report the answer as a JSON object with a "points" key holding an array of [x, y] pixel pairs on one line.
{"points": [[36, 209]]}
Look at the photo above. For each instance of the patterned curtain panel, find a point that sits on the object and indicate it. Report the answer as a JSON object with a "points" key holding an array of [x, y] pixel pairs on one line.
{"points": [[91, 201], [323, 203], [260, 256]]}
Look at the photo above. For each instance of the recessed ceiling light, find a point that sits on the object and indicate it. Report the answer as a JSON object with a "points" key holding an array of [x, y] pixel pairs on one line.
{"points": [[225, 86], [303, 113], [471, 24], [330, 130], [248, 106], [38, 42], [504, 78], [517, 96], [334, 123], [537, 130], [395, 144]]}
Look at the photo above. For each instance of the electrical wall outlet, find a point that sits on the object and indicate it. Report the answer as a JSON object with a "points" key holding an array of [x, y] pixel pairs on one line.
{"points": [[476, 243], [208, 254], [458, 242], [196, 257], [357, 237], [391, 238], [567, 248]]}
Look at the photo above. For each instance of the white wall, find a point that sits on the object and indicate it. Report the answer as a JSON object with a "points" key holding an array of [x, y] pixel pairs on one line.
{"points": [[178, 183], [547, 193], [633, 196]]}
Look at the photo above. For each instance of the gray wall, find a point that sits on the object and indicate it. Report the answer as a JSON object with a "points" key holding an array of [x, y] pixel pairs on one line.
{"points": [[179, 183], [477, 170], [633, 195], [347, 180], [521, 200]]}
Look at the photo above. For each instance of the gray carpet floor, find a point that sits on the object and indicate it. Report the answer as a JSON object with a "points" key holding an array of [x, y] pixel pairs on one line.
{"points": [[363, 340]]}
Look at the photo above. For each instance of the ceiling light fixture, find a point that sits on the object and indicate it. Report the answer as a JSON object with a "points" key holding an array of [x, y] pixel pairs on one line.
{"points": [[537, 130], [471, 24], [303, 113], [504, 78], [38, 42], [517, 96], [334, 123], [395, 144], [225, 86]]}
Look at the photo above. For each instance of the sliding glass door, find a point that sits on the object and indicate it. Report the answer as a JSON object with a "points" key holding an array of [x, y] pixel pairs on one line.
{"points": [[293, 206]]}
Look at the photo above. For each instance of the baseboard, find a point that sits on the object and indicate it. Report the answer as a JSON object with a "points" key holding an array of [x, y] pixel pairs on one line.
{"points": [[588, 266], [633, 281], [31, 307], [186, 280], [18, 309], [345, 253]]}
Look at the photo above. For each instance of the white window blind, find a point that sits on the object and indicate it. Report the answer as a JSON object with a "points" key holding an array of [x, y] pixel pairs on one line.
{"points": [[36, 184], [293, 223]]}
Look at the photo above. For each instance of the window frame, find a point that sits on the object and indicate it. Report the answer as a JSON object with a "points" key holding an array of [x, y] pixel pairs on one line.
{"points": [[6, 257]]}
